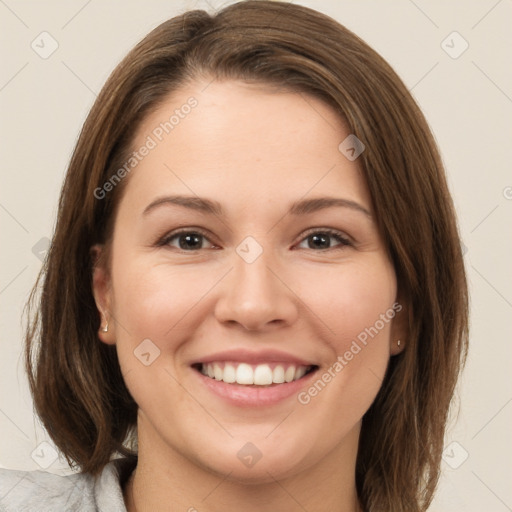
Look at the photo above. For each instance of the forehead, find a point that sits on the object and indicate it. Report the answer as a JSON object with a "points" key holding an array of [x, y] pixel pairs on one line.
{"points": [[243, 143]]}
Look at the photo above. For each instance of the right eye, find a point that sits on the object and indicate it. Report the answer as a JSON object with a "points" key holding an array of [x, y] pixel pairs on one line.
{"points": [[188, 240]]}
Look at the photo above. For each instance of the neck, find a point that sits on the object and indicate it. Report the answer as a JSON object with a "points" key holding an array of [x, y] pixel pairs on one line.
{"points": [[164, 477]]}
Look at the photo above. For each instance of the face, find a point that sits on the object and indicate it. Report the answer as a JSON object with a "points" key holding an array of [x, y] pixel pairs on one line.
{"points": [[250, 319]]}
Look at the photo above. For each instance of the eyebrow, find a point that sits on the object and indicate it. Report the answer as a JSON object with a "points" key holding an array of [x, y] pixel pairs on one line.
{"points": [[211, 207]]}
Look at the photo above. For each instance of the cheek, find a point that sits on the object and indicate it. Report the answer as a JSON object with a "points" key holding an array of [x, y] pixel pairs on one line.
{"points": [[156, 303], [350, 300], [157, 300], [358, 309]]}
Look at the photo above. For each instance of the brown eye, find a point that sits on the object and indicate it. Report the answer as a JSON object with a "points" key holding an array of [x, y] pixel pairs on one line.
{"points": [[187, 240], [321, 239]]}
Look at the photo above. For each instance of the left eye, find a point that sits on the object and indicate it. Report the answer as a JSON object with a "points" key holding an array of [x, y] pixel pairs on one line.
{"points": [[192, 240], [320, 239]]}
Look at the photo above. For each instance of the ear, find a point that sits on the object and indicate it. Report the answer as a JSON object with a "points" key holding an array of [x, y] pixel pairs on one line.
{"points": [[102, 291], [399, 327]]}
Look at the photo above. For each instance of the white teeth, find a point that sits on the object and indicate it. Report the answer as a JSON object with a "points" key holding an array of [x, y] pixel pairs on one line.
{"points": [[289, 374], [263, 375], [259, 375], [229, 374], [217, 372], [244, 374], [300, 372], [278, 375]]}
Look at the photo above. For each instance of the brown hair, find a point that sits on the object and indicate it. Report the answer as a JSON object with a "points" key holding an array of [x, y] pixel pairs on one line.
{"points": [[76, 382]]}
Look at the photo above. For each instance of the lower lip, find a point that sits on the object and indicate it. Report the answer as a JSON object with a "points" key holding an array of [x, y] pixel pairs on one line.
{"points": [[254, 396]]}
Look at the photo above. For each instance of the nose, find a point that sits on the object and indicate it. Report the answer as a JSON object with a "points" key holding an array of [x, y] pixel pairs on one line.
{"points": [[256, 296]]}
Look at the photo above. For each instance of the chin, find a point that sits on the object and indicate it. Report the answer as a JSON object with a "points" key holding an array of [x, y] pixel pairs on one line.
{"points": [[256, 460]]}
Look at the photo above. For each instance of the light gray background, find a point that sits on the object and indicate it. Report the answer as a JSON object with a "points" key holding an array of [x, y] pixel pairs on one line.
{"points": [[467, 101]]}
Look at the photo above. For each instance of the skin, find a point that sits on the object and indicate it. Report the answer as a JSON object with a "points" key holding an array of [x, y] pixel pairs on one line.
{"points": [[255, 151]]}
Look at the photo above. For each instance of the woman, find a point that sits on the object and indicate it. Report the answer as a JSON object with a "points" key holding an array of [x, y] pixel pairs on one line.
{"points": [[255, 292]]}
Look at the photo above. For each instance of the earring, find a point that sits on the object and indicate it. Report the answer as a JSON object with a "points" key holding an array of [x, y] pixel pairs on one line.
{"points": [[105, 329], [398, 343]]}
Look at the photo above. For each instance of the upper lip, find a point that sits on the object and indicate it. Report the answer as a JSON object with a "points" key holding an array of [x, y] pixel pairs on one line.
{"points": [[253, 357]]}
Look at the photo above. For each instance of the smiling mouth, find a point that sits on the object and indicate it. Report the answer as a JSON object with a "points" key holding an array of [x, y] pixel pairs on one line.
{"points": [[256, 375]]}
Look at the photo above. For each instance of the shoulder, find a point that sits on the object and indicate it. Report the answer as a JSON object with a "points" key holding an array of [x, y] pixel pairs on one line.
{"points": [[31, 491], [25, 491]]}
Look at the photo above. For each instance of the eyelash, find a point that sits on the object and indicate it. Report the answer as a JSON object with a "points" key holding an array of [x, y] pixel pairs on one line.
{"points": [[338, 235]]}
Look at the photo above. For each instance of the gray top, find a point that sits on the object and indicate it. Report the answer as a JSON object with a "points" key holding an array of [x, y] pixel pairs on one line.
{"points": [[40, 491]]}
